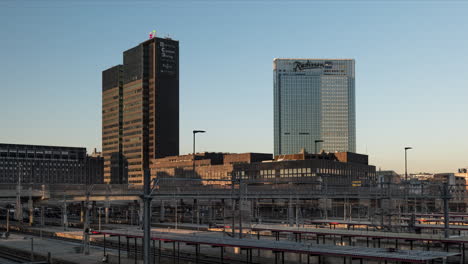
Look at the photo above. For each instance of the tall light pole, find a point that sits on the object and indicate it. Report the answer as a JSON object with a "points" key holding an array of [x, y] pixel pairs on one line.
{"points": [[194, 133], [406, 162], [317, 141]]}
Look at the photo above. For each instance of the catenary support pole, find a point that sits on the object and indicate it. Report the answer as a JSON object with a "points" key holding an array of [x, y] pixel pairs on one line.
{"points": [[146, 217], [446, 198], [119, 247], [8, 220], [32, 249]]}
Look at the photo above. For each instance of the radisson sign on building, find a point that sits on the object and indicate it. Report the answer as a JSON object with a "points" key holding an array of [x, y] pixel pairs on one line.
{"points": [[314, 99]]}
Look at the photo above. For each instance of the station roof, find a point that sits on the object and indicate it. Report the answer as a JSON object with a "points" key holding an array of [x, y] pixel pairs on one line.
{"points": [[358, 233], [437, 215], [414, 256], [366, 223]]}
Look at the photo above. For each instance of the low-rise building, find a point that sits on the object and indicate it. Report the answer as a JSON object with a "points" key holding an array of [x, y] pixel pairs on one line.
{"points": [[431, 187], [462, 172], [457, 189], [49, 165], [387, 178], [344, 169]]}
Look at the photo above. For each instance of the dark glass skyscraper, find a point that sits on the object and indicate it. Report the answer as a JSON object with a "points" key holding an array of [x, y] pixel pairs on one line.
{"points": [[147, 107], [314, 99], [115, 170]]}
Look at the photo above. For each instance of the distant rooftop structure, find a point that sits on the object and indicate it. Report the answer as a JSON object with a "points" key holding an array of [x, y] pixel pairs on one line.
{"points": [[337, 156], [96, 154], [422, 175], [211, 158], [387, 177]]}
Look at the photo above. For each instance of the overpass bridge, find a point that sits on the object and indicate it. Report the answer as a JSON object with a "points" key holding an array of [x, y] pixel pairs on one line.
{"points": [[122, 192], [217, 200]]}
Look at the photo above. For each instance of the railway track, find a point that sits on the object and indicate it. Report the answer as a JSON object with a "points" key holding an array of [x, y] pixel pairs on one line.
{"points": [[12, 256]]}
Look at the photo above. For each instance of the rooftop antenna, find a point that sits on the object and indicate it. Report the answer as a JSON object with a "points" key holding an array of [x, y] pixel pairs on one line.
{"points": [[152, 34]]}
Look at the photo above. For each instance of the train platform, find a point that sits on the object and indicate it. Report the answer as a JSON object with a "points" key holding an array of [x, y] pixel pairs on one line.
{"points": [[214, 244], [60, 251]]}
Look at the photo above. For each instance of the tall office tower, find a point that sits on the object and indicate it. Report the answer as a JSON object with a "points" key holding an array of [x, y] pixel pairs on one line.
{"points": [[112, 114], [314, 99], [150, 106]]}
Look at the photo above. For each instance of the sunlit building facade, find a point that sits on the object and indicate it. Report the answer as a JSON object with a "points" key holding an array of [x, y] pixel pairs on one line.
{"points": [[262, 170], [314, 99], [141, 110]]}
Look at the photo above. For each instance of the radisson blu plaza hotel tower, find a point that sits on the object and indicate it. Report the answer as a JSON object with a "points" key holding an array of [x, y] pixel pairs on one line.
{"points": [[314, 100]]}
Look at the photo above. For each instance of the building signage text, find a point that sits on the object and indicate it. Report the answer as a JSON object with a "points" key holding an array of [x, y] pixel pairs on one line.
{"points": [[167, 58], [301, 66]]}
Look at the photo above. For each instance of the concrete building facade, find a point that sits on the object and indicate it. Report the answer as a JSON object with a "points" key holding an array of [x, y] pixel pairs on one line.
{"points": [[49, 165]]}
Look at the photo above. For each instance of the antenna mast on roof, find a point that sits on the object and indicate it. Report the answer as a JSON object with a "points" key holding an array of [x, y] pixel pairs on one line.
{"points": [[152, 34]]}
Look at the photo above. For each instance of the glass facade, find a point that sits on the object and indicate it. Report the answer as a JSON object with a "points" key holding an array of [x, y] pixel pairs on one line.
{"points": [[314, 99]]}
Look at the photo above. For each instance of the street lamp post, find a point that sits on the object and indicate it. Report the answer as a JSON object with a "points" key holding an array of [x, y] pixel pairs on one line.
{"points": [[406, 179], [406, 162], [194, 133], [317, 141]]}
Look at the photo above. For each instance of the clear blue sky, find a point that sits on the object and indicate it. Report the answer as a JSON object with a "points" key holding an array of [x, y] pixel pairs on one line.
{"points": [[411, 70]]}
